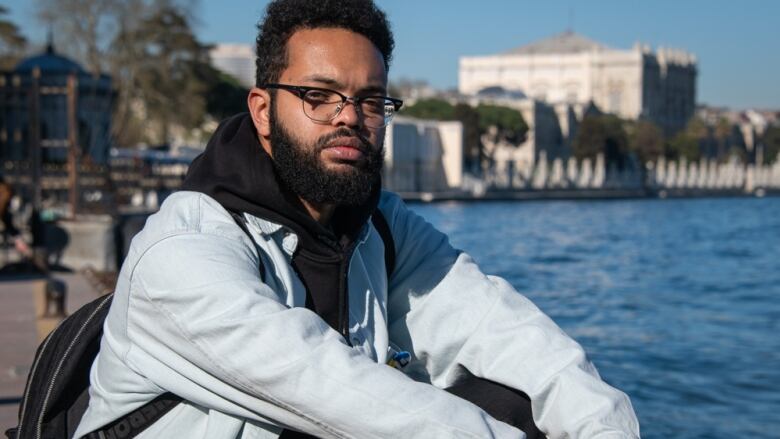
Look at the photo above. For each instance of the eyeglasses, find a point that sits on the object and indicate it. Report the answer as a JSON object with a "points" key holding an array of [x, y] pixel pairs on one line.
{"points": [[323, 105]]}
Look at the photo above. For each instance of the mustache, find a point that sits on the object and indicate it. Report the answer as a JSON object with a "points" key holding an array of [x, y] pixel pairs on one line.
{"points": [[365, 145]]}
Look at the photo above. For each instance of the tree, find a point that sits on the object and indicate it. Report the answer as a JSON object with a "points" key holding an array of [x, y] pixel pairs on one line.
{"points": [[602, 134], [688, 142], [590, 137], [771, 141], [509, 122], [723, 132], [646, 140], [90, 26], [12, 42], [97, 33], [697, 128], [225, 96], [683, 145], [84, 24], [434, 109], [171, 71], [473, 149]]}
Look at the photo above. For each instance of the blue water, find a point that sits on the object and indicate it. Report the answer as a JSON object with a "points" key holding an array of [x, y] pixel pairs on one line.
{"points": [[677, 302]]}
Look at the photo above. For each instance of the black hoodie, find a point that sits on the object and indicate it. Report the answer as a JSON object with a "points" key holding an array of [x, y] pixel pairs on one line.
{"points": [[237, 172]]}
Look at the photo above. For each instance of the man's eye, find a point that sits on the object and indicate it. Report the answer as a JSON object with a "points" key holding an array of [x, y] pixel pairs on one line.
{"points": [[374, 105], [319, 96]]}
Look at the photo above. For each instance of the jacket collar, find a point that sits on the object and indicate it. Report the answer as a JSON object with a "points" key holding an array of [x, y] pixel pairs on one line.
{"points": [[237, 172], [290, 240]]}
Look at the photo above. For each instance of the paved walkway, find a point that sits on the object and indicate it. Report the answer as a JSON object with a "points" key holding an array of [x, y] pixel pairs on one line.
{"points": [[19, 333]]}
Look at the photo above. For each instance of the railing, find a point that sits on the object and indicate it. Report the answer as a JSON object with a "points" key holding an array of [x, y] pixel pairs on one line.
{"points": [[705, 175]]}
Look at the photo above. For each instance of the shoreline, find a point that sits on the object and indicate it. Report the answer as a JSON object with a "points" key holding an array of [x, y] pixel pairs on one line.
{"points": [[581, 195]]}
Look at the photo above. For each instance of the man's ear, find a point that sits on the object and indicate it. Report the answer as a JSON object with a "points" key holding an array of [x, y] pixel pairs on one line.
{"points": [[259, 103]]}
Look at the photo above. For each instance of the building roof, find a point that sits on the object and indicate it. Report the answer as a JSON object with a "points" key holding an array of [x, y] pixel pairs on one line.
{"points": [[498, 92], [565, 42], [49, 62]]}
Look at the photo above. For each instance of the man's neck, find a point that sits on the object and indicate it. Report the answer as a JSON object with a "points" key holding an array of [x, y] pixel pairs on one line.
{"points": [[322, 213]]}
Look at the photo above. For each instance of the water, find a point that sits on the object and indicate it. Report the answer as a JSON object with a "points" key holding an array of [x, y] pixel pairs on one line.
{"points": [[677, 302]]}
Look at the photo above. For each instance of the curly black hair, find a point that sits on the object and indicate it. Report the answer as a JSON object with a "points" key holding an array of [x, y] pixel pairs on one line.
{"points": [[284, 17]]}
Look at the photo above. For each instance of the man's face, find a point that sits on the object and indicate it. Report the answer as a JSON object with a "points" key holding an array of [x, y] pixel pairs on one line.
{"points": [[336, 162]]}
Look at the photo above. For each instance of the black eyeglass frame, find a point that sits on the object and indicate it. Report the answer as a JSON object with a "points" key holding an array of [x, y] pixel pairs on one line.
{"points": [[301, 90]]}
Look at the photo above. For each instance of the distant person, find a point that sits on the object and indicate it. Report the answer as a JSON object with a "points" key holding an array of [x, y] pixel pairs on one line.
{"points": [[259, 295], [10, 233]]}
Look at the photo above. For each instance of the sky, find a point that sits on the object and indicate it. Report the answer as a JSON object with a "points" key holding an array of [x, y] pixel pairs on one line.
{"points": [[737, 43]]}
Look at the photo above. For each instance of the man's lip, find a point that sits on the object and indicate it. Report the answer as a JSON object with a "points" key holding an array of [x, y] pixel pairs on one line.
{"points": [[341, 152], [345, 143], [345, 149]]}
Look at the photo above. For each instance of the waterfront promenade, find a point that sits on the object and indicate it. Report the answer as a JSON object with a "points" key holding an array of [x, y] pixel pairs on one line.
{"points": [[21, 330]]}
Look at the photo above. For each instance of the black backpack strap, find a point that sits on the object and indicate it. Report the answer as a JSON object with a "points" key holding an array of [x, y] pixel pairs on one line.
{"points": [[60, 372], [132, 424], [241, 221], [381, 226]]}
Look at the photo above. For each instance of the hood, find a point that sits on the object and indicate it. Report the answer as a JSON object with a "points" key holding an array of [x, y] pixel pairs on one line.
{"points": [[236, 171]]}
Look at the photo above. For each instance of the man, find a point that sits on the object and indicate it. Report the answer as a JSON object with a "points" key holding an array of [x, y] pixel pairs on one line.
{"points": [[10, 233], [287, 327]]}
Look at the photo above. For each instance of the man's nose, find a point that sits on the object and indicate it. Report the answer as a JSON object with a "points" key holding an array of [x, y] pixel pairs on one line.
{"points": [[349, 115]]}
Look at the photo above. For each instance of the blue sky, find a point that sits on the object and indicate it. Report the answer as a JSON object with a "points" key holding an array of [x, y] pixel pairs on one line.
{"points": [[737, 43]]}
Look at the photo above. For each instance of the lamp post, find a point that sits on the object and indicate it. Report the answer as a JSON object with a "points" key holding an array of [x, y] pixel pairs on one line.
{"points": [[73, 145], [35, 139]]}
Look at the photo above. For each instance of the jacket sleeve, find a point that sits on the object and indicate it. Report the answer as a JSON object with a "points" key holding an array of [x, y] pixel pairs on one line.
{"points": [[203, 325], [451, 316]]}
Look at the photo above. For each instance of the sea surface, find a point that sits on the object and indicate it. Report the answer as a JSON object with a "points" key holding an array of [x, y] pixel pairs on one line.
{"points": [[677, 302]]}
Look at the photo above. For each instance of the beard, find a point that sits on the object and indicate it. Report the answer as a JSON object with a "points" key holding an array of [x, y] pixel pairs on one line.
{"points": [[301, 169]]}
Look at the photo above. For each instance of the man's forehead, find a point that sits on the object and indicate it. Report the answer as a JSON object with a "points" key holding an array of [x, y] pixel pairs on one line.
{"points": [[340, 55]]}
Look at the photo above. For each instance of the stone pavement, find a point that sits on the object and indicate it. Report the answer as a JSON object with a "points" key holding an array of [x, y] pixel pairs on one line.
{"points": [[20, 332]]}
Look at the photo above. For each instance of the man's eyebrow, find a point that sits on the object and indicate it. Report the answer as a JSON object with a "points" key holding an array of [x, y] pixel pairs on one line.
{"points": [[373, 89], [336, 85], [323, 80]]}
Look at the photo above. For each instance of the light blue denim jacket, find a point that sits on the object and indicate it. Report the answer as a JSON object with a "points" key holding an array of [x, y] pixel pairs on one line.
{"points": [[192, 316]]}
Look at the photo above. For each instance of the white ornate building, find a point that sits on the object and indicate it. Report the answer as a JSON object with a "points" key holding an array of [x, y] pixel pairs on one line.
{"points": [[569, 68]]}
